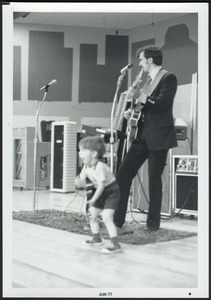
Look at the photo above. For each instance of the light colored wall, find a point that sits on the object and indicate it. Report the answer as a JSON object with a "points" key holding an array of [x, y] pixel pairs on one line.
{"points": [[73, 36], [159, 29]]}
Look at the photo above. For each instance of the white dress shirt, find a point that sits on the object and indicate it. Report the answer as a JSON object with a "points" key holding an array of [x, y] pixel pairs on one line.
{"points": [[143, 97], [154, 72]]}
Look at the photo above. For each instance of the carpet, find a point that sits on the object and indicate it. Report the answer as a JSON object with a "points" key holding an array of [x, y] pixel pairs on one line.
{"points": [[132, 232]]}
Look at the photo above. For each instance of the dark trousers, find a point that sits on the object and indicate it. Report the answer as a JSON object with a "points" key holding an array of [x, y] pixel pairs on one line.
{"points": [[133, 160]]}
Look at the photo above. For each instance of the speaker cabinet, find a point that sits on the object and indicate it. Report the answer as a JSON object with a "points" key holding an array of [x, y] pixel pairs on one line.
{"points": [[185, 184], [23, 167], [140, 186], [63, 156]]}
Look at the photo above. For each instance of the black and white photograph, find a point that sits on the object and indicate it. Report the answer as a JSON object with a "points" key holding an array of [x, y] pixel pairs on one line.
{"points": [[105, 150]]}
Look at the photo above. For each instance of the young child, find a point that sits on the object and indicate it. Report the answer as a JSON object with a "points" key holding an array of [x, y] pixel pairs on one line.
{"points": [[106, 198]]}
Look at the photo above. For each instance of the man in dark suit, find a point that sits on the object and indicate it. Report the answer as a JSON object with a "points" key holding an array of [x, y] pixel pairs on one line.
{"points": [[156, 134]]}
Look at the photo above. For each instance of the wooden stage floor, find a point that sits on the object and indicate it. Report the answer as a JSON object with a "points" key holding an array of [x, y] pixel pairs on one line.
{"points": [[53, 259]]}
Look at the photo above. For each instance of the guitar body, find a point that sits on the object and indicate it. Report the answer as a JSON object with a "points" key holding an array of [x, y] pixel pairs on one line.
{"points": [[133, 127], [132, 124]]}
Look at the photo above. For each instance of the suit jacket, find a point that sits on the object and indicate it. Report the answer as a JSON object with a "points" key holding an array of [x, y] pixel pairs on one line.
{"points": [[158, 127]]}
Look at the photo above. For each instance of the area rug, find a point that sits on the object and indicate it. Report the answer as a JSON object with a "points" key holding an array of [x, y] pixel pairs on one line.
{"points": [[132, 232]]}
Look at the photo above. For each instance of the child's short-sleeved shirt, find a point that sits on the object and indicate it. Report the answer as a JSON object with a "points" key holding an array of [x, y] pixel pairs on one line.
{"points": [[100, 172]]}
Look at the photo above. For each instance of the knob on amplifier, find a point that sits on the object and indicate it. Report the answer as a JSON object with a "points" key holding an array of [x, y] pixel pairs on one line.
{"points": [[187, 165]]}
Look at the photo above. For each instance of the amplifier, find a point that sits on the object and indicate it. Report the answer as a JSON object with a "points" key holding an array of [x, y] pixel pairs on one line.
{"points": [[140, 195], [185, 184], [105, 133], [90, 131], [181, 129]]}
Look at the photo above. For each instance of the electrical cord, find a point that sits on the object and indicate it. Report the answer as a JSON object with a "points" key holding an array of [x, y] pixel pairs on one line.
{"points": [[81, 211], [77, 193], [143, 190], [131, 212], [187, 138], [162, 217], [146, 198], [177, 214], [190, 145], [185, 202]]}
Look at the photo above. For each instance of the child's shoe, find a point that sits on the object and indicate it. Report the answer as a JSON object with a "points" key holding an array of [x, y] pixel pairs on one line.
{"points": [[111, 249]]}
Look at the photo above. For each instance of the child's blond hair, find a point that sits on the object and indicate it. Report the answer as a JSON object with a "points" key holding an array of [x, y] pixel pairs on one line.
{"points": [[93, 143]]}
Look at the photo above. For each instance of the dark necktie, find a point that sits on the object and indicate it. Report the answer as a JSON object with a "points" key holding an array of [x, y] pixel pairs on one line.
{"points": [[149, 79], [145, 88]]}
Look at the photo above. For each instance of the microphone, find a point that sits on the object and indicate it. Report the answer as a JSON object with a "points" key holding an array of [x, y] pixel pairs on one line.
{"points": [[54, 81], [125, 69]]}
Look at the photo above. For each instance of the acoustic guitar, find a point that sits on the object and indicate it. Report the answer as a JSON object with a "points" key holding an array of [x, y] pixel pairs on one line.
{"points": [[148, 88]]}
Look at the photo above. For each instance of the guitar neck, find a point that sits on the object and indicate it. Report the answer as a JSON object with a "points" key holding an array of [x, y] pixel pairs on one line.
{"points": [[134, 85]]}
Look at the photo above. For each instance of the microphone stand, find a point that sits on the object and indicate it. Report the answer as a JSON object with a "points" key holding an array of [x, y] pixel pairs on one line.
{"points": [[119, 83], [35, 147]]}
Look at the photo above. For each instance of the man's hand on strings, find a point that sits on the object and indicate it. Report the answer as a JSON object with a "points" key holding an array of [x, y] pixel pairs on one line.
{"points": [[142, 98], [131, 92], [127, 114]]}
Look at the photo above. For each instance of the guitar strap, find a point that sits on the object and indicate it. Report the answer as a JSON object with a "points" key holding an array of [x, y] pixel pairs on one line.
{"points": [[150, 88]]}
